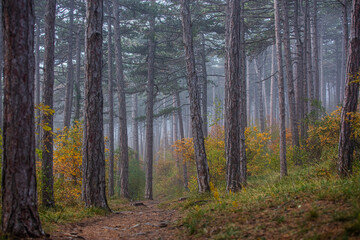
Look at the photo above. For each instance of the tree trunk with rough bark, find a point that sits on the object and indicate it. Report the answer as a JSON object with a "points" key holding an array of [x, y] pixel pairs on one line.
{"points": [[135, 126], [20, 217], [150, 110], [272, 89], [70, 70], [260, 97], [93, 153], [182, 136], [283, 164], [289, 76], [78, 80], [346, 143], [111, 105], [243, 98], [232, 97], [48, 95], [316, 52], [204, 86], [345, 30], [123, 166], [192, 81]]}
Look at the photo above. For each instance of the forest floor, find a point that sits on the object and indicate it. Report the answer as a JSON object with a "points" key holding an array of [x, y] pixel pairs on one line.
{"points": [[143, 221]]}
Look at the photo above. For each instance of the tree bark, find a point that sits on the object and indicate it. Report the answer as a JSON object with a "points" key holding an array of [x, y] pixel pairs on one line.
{"points": [[135, 126], [150, 110], [124, 155], [243, 97], [93, 155], [283, 164], [289, 76], [48, 95], [232, 97], [111, 105], [204, 85], [346, 142], [345, 45], [192, 81], [259, 94], [20, 216], [272, 89], [316, 52], [1, 64], [37, 87], [182, 136], [70, 70], [78, 80]]}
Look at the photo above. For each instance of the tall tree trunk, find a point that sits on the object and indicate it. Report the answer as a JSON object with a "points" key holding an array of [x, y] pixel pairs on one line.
{"points": [[338, 71], [78, 73], [111, 105], [259, 94], [232, 96], [316, 52], [182, 136], [321, 67], [70, 70], [283, 164], [204, 86], [289, 76], [309, 56], [150, 110], [299, 71], [192, 81], [48, 95], [37, 87], [346, 143], [135, 126], [123, 136], [20, 215], [306, 66], [248, 105], [243, 98], [345, 45], [272, 89], [93, 155]]}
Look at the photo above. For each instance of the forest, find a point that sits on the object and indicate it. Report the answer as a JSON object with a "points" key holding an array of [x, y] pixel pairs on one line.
{"points": [[189, 119]]}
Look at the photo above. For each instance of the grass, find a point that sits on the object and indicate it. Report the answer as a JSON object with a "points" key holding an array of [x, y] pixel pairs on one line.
{"points": [[312, 202]]}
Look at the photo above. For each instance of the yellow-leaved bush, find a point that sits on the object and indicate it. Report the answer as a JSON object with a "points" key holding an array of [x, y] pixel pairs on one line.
{"points": [[67, 163]]}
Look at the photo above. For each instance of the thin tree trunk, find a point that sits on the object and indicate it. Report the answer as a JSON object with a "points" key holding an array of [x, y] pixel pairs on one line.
{"points": [[135, 126], [272, 89], [111, 105], [309, 56], [306, 63], [316, 52], [70, 70], [338, 71], [182, 136], [289, 76], [204, 86], [283, 164], [196, 121], [259, 94], [78, 80], [37, 87], [123, 166], [345, 46], [48, 95], [150, 110], [346, 143], [93, 155], [243, 98], [20, 216], [299, 72]]}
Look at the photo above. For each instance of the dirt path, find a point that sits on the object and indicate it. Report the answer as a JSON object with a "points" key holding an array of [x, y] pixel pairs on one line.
{"points": [[146, 221]]}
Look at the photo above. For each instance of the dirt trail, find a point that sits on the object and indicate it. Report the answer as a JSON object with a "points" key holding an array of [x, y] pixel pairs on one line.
{"points": [[146, 221]]}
